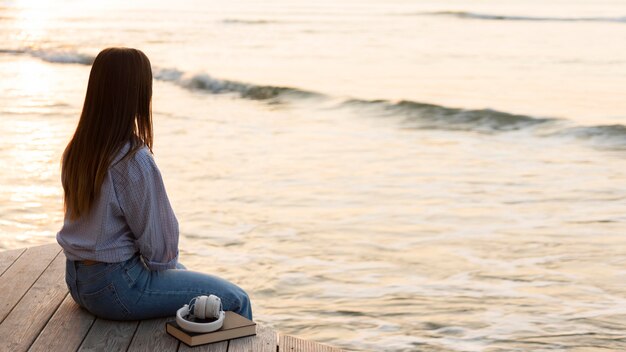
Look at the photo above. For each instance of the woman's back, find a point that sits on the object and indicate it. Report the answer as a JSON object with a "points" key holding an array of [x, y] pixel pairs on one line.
{"points": [[131, 213]]}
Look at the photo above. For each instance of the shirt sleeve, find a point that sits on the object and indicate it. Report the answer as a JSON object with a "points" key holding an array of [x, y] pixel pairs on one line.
{"points": [[146, 207]]}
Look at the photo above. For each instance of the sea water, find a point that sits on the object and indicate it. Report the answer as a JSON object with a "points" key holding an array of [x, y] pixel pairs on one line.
{"points": [[378, 175]]}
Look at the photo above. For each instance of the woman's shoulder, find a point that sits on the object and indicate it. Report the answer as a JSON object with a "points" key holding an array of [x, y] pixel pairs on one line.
{"points": [[132, 153], [142, 155], [134, 163]]}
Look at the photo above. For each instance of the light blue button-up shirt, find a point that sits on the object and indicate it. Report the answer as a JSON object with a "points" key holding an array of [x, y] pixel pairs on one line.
{"points": [[132, 214]]}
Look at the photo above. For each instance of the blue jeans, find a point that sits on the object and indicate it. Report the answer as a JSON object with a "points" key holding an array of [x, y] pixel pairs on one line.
{"points": [[130, 291]]}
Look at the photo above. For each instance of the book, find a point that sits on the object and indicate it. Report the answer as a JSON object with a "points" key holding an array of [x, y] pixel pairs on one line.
{"points": [[235, 326]]}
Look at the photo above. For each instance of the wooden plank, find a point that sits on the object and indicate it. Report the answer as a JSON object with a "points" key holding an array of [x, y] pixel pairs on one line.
{"points": [[151, 336], [293, 344], [18, 279], [109, 336], [8, 257], [66, 329], [32, 312], [35, 308], [265, 340], [212, 347]]}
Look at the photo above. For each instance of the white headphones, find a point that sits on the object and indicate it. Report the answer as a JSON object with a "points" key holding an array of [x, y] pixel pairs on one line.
{"points": [[202, 307]]}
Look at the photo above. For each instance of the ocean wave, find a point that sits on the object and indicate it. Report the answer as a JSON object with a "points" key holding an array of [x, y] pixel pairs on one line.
{"points": [[64, 57], [495, 17], [200, 81], [205, 82], [429, 116], [613, 136], [414, 115], [54, 56]]}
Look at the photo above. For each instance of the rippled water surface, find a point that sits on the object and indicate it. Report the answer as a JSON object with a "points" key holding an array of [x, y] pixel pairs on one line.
{"points": [[379, 175]]}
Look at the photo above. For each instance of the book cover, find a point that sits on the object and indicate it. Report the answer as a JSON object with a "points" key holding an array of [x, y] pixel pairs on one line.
{"points": [[235, 326]]}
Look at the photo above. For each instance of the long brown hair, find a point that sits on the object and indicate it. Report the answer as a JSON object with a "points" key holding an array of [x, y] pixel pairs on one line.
{"points": [[117, 110]]}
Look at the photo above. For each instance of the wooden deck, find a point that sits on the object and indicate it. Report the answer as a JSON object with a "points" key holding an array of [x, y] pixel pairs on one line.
{"points": [[38, 314]]}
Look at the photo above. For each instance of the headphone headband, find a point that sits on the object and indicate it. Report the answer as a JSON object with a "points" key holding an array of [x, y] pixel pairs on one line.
{"points": [[201, 307]]}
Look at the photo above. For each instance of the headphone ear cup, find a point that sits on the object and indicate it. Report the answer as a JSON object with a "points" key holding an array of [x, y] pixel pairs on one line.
{"points": [[213, 306], [199, 309]]}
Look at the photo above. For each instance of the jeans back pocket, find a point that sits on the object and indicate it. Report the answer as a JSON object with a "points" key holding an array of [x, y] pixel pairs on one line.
{"points": [[105, 303], [99, 272]]}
